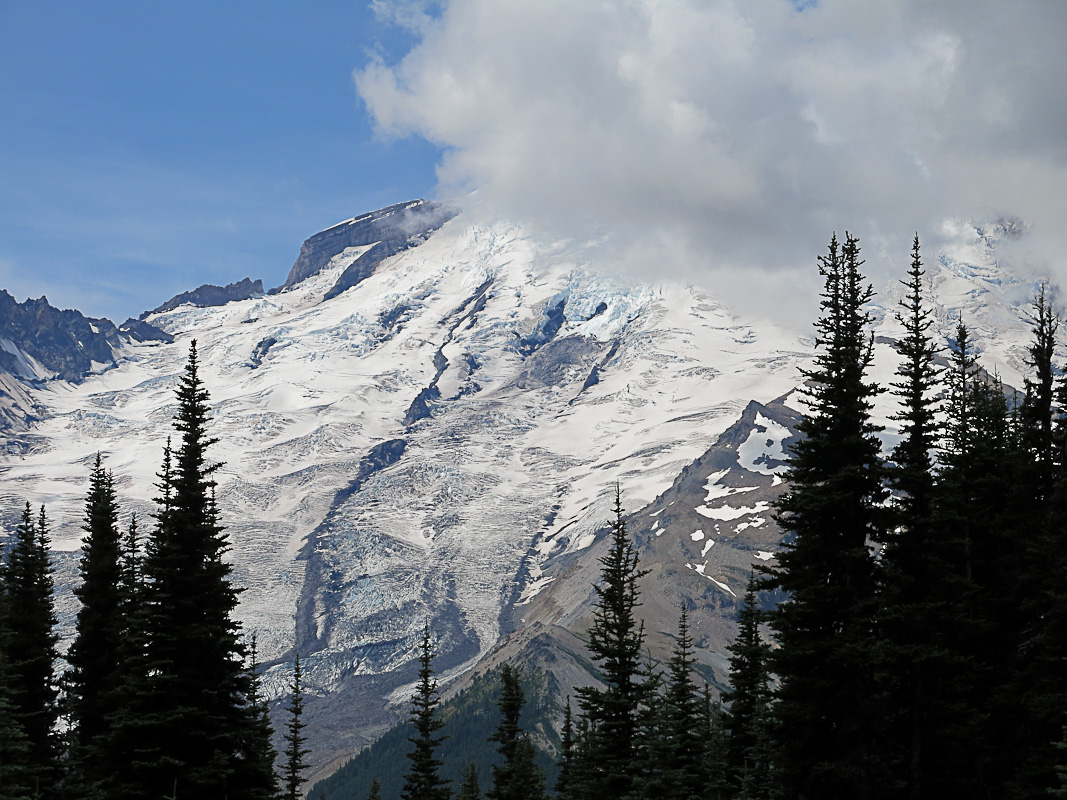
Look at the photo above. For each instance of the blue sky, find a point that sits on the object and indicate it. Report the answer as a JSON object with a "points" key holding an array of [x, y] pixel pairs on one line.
{"points": [[149, 147]]}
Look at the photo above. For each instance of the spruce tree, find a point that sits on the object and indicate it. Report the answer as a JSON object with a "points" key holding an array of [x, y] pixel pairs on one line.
{"points": [[423, 781], [615, 641], [518, 778], [30, 652], [919, 591], [973, 507], [181, 724], [1039, 686], [15, 766], [748, 716], [651, 746], [375, 792], [715, 763], [832, 512], [681, 707], [564, 777], [95, 654], [295, 752], [256, 770]]}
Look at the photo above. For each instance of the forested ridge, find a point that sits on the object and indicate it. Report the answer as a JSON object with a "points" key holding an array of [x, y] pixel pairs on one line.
{"points": [[919, 651]]}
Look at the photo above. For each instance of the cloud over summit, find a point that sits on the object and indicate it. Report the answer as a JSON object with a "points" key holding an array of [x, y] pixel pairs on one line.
{"points": [[741, 131]]}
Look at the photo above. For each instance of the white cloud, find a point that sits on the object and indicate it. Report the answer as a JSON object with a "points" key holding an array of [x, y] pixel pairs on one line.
{"points": [[734, 135]]}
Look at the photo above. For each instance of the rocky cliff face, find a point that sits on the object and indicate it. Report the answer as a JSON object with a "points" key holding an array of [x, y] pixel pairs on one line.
{"points": [[210, 295], [379, 235]]}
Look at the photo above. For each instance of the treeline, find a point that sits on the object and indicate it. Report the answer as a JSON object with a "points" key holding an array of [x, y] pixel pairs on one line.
{"points": [[160, 697], [921, 650]]}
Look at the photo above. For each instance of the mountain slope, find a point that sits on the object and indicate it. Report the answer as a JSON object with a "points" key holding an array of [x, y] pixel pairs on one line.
{"points": [[437, 440]]}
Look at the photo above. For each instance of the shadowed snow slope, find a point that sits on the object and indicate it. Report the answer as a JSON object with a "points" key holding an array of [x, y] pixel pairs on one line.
{"points": [[439, 441]]}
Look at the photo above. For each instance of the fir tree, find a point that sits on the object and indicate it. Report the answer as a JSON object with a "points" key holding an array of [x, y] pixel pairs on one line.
{"points": [[833, 510], [518, 778], [295, 752], [422, 781], [15, 766], [920, 591], [181, 724], [682, 762], [95, 655], [651, 746], [1036, 410], [256, 770], [615, 641], [30, 652], [715, 763], [973, 508], [567, 754], [748, 717], [375, 792]]}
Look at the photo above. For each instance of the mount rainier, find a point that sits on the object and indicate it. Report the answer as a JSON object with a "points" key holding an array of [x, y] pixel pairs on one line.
{"points": [[426, 423]]}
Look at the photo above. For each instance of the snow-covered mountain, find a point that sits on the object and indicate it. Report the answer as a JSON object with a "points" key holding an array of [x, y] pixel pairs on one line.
{"points": [[426, 423]]}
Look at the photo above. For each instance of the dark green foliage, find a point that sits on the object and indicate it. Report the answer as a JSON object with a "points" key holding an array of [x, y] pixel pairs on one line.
{"points": [[423, 781], [470, 718], [920, 708], [715, 752], [30, 648], [295, 752], [682, 762], [95, 656], [615, 641], [15, 767], [181, 722], [375, 792], [566, 755], [470, 788], [833, 510], [257, 768], [518, 777], [748, 720], [1036, 412]]}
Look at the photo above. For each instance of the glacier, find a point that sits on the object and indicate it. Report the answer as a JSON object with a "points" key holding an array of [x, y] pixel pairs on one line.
{"points": [[438, 441]]}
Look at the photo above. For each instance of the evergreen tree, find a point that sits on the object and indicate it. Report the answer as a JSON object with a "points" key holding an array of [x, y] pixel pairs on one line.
{"points": [[832, 511], [564, 778], [422, 781], [30, 652], [518, 778], [15, 766], [295, 752], [682, 762], [256, 770], [94, 656], [615, 641], [1036, 410], [974, 501], [375, 792], [1039, 687], [748, 717], [181, 724], [919, 592], [651, 749], [715, 752]]}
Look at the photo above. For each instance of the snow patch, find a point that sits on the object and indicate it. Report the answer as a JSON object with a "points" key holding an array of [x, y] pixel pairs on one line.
{"points": [[764, 445], [731, 512]]}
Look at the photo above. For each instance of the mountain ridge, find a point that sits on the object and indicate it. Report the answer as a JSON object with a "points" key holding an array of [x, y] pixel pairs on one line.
{"points": [[439, 440]]}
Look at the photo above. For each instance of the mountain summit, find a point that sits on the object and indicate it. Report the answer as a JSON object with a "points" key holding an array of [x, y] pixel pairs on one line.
{"points": [[425, 423]]}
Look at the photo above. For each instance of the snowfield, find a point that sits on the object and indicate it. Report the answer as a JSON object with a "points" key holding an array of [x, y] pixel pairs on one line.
{"points": [[429, 443]]}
